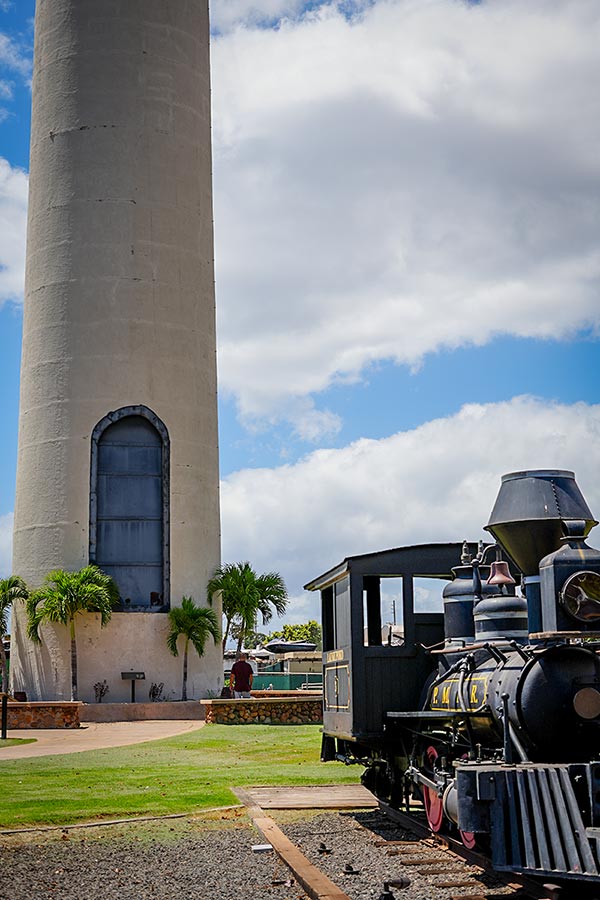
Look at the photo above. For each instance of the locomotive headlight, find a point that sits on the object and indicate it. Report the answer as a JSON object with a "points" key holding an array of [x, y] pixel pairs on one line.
{"points": [[586, 703], [580, 596]]}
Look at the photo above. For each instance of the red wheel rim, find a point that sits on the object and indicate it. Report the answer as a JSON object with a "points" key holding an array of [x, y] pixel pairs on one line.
{"points": [[467, 837], [434, 808]]}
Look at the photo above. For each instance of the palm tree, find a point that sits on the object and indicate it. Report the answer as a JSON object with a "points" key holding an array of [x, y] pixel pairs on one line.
{"points": [[12, 589], [246, 594], [195, 623], [65, 594]]}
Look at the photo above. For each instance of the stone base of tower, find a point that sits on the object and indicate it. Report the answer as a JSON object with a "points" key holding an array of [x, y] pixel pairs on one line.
{"points": [[131, 642]]}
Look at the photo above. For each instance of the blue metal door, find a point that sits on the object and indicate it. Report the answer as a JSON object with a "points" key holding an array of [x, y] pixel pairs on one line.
{"points": [[129, 536]]}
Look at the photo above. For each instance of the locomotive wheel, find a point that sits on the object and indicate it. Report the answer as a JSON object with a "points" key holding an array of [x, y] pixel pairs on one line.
{"points": [[469, 839], [434, 808], [376, 780]]}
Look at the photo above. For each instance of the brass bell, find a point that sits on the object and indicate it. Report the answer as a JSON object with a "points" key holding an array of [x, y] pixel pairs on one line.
{"points": [[500, 573]]}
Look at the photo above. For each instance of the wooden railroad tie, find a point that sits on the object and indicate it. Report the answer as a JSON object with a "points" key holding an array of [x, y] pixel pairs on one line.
{"points": [[491, 895], [445, 870], [423, 861], [469, 897], [406, 844]]}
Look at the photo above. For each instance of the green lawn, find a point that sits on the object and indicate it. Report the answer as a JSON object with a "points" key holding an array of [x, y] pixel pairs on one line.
{"points": [[181, 774], [11, 742]]}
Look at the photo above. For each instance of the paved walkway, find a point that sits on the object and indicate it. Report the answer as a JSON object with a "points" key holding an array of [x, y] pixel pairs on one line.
{"points": [[93, 736]]}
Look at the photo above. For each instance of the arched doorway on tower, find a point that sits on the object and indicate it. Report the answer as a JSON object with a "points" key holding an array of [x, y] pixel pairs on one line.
{"points": [[129, 506]]}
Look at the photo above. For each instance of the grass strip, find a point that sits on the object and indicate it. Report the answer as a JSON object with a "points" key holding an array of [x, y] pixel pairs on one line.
{"points": [[174, 775], [12, 742], [105, 823]]}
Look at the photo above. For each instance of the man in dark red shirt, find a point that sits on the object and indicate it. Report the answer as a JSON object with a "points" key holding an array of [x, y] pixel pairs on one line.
{"points": [[241, 677]]}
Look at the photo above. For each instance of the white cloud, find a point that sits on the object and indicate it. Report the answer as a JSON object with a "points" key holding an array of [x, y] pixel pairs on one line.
{"points": [[437, 482], [6, 533], [413, 177], [13, 220], [13, 55], [421, 176], [15, 60], [226, 14]]}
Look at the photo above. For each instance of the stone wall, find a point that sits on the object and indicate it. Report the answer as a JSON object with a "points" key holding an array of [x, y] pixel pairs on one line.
{"points": [[263, 711], [43, 715], [134, 712]]}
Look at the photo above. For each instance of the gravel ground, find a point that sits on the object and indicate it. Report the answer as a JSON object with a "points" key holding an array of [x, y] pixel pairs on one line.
{"points": [[211, 858], [350, 838], [181, 860]]}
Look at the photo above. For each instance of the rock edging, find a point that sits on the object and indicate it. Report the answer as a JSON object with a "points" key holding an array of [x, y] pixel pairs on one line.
{"points": [[43, 714], [263, 711]]}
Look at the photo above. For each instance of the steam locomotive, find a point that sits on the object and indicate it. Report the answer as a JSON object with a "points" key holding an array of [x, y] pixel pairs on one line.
{"points": [[490, 711]]}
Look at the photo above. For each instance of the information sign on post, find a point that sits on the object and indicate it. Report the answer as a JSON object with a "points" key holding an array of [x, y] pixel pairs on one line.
{"points": [[133, 677]]}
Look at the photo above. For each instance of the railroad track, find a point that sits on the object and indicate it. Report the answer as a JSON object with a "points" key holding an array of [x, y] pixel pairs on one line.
{"points": [[418, 865], [441, 854]]}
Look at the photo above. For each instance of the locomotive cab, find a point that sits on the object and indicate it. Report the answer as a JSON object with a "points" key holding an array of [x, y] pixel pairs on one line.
{"points": [[370, 668]]}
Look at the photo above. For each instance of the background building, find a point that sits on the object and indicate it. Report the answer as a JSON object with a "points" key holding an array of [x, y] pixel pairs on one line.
{"points": [[118, 455]]}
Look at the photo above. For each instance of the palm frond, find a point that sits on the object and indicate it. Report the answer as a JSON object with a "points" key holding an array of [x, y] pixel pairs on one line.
{"points": [[195, 623], [65, 594], [12, 590], [34, 618], [205, 626], [245, 594], [172, 637]]}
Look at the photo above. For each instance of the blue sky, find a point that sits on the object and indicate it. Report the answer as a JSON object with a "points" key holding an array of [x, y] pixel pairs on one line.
{"points": [[407, 217]]}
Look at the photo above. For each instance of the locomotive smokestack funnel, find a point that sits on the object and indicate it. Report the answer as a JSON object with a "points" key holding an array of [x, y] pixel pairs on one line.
{"points": [[529, 511]]}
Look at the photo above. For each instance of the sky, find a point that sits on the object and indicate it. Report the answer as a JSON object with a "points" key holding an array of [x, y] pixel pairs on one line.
{"points": [[407, 222]]}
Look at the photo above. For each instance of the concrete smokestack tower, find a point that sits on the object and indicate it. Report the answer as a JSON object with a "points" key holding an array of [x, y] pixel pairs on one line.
{"points": [[118, 456]]}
